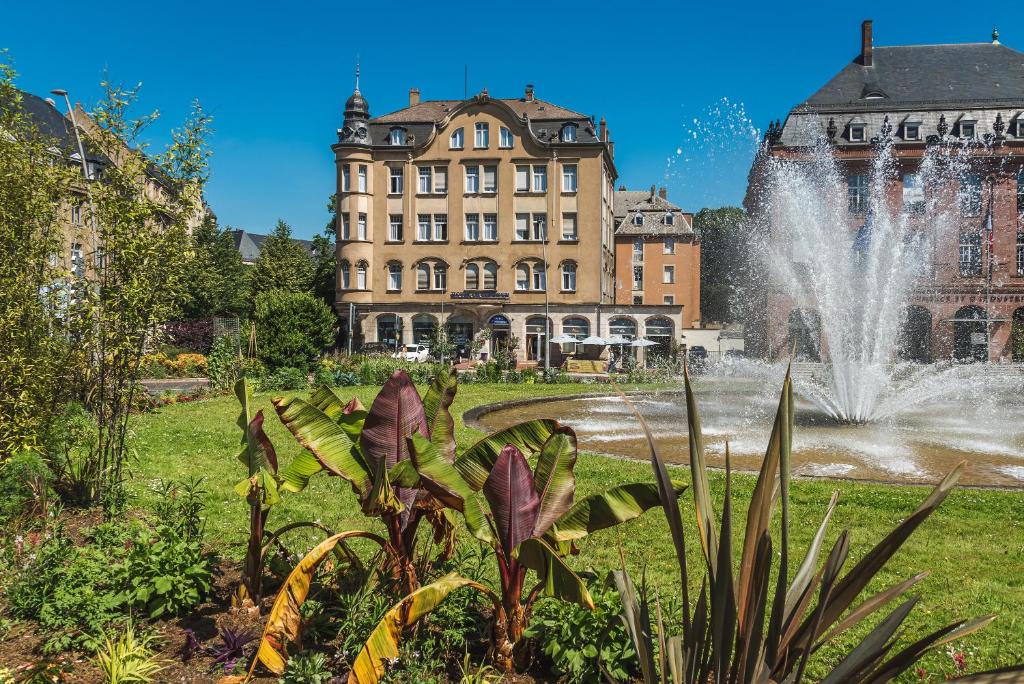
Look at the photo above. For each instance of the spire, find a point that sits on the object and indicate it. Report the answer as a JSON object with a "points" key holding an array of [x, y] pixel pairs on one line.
{"points": [[357, 73], [995, 36]]}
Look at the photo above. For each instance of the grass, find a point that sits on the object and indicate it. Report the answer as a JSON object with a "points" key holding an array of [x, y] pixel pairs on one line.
{"points": [[973, 545]]}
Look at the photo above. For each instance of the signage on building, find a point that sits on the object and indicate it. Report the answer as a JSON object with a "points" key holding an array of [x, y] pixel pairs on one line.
{"points": [[479, 294], [979, 338], [499, 319]]}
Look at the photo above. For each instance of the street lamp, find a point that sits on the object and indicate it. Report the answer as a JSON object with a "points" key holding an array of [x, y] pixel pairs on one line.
{"points": [[60, 92]]}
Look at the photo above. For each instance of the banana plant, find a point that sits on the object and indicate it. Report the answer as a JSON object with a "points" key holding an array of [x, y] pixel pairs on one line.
{"points": [[370, 450], [530, 520], [743, 630]]}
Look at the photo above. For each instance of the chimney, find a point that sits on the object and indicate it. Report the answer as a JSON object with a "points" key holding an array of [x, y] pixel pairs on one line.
{"points": [[529, 92], [603, 127], [866, 44], [414, 96], [653, 189], [663, 193]]}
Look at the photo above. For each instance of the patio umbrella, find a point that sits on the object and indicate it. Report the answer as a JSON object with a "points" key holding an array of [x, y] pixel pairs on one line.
{"points": [[616, 339], [563, 339], [593, 339], [643, 342]]}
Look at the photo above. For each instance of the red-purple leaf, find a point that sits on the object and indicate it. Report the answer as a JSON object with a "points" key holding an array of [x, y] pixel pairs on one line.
{"points": [[396, 414], [512, 498], [262, 441]]}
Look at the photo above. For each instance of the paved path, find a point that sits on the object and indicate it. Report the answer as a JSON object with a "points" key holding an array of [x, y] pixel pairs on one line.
{"points": [[156, 387]]}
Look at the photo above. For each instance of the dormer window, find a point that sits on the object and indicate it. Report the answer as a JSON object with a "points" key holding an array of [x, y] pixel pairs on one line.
{"points": [[669, 219], [858, 132], [912, 130], [569, 133], [397, 136], [967, 129], [638, 219], [1020, 126]]}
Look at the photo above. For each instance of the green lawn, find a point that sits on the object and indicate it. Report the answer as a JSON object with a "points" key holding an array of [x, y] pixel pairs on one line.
{"points": [[973, 546]]}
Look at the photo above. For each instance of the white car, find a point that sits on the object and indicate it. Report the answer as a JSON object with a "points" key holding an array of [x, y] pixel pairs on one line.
{"points": [[413, 352]]}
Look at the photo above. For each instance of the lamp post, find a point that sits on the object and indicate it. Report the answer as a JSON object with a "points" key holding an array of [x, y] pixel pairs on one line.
{"points": [[60, 92]]}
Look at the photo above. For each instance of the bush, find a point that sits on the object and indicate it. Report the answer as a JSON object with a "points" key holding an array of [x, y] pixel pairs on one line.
{"points": [[579, 642], [307, 668], [160, 365], [292, 328], [195, 336], [165, 572], [284, 379], [24, 478], [223, 366]]}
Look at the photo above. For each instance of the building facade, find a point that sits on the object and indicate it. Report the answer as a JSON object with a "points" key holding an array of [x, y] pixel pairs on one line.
{"points": [[484, 215], [968, 100]]}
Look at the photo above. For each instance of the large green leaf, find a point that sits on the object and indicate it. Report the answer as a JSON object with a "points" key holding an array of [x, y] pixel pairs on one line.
{"points": [[607, 509], [437, 475], [557, 578], [326, 440], [553, 478], [440, 423], [476, 462], [348, 414]]}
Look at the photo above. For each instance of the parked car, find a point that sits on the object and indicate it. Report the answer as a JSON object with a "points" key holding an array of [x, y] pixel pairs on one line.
{"points": [[414, 352], [698, 358]]}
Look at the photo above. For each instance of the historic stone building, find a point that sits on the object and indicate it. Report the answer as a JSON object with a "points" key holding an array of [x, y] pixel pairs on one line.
{"points": [[483, 214], [968, 98]]}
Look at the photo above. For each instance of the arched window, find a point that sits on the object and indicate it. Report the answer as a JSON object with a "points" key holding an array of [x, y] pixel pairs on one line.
{"points": [[491, 276], [577, 327], [423, 327], [569, 276], [440, 277], [397, 136], [361, 275], [658, 330], [638, 219], [569, 133], [346, 274], [472, 277], [506, 138], [423, 276], [523, 276], [394, 276], [458, 139], [623, 327]]}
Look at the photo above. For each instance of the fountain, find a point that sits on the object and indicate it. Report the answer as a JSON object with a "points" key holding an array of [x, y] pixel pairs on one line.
{"points": [[862, 411]]}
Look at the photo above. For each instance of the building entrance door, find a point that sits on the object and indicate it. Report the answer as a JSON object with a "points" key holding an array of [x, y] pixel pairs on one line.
{"points": [[536, 334]]}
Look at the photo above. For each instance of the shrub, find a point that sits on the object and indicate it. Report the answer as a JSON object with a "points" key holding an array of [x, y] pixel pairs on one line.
{"points": [[223, 366], [24, 479], [195, 336], [164, 573], [128, 660], [292, 328], [307, 668], [70, 445], [284, 379]]}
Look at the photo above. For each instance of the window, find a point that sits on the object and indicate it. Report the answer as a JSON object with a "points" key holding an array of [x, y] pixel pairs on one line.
{"points": [[423, 276], [361, 227], [970, 254], [858, 133], [912, 131], [638, 219], [669, 246], [473, 227], [638, 251], [458, 140], [522, 178], [967, 130], [76, 214], [77, 260], [491, 227], [569, 133], [361, 275], [346, 178], [482, 138], [669, 299], [395, 277], [472, 179], [440, 180], [569, 227], [440, 277], [1020, 191], [395, 187], [346, 229], [505, 139], [490, 276], [638, 277], [569, 276], [425, 180], [490, 179], [423, 228], [669, 219], [362, 178], [1020, 252], [472, 277], [568, 178], [397, 136], [440, 227], [539, 279], [346, 275], [857, 193], [913, 193], [970, 195], [540, 231], [395, 228], [523, 277], [669, 275], [540, 178]]}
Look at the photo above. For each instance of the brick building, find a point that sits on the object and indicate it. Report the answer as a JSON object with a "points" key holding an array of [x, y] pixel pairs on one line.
{"points": [[969, 99]]}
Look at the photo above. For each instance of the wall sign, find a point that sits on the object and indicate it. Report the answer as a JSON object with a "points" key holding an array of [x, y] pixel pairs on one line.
{"points": [[479, 294]]}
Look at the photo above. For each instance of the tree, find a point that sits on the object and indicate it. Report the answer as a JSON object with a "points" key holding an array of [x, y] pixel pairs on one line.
{"points": [[283, 264], [216, 280], [724, 262], [324, 258], [292, 328]]}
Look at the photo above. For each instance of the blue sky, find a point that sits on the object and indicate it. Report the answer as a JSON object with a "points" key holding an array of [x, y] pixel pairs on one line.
{"points": [[681, 84]]}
